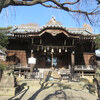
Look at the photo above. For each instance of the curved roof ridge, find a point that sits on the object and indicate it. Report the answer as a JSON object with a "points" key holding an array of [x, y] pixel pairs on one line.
{"points": [[77, 28], [53, 21]]}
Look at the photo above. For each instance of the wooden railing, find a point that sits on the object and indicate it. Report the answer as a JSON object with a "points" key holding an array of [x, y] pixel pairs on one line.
{"points": [[21, 65], [83, 67]]}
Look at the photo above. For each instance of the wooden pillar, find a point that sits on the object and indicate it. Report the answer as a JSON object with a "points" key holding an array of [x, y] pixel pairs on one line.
{"points": [[51, 59], [32, 55], [72, 59], [31, 65], [72, 63]]}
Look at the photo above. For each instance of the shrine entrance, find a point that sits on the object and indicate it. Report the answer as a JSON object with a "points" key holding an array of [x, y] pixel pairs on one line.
{"points": [[53, 59], [52, 51]]}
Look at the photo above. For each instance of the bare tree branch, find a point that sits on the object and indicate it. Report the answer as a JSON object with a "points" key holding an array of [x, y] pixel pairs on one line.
{"points": [[71, 3], [58, 4], [98, 1], [50, 6], [32, 2]]}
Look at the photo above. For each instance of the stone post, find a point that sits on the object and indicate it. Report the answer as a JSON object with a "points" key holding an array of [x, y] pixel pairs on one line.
{"points": [[7, 84]]}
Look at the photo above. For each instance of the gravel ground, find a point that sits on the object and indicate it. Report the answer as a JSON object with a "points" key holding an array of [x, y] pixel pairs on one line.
{"points": [[51, 91]]}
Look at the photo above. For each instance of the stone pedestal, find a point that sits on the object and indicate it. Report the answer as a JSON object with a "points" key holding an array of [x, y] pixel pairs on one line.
{"points": [[7, 84], [7, 91], [97, 81]]}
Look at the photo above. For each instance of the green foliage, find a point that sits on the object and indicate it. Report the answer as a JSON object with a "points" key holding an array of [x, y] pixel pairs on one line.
{"points": [[2, 66], [6, 65], [3, 40], [97, 41], [3, 36], [7, 28]]}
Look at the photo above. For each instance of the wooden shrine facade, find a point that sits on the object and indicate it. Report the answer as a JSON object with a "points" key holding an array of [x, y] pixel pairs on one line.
{"points": [[52, 45]]}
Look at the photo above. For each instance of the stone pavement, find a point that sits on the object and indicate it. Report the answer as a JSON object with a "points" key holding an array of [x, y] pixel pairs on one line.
{"points": [[51, 91]]}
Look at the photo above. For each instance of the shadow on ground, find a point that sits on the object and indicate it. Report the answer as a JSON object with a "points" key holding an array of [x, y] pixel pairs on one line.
{"points": [[20, 91], [59, 94], [44, 86]]}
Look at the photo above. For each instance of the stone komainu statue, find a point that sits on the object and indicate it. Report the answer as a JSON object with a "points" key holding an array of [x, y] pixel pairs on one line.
{"points": [[97, 75], [97, 80]]}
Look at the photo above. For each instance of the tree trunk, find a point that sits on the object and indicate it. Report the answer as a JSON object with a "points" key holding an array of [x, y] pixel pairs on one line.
{"points": [[1, 4], [4, 3], [0, 9]]}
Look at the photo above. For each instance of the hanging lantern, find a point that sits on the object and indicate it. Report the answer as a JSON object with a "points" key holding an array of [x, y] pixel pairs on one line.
{"points": [[44, 50], [66, 50], [52, 50], [59, 50], [73, 52], [32, 51]]}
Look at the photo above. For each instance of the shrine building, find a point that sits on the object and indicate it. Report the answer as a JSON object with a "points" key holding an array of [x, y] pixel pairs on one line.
{"points": [[53, 46]]}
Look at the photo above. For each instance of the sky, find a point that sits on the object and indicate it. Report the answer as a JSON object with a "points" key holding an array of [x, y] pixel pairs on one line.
{"points": [[13, 15]]}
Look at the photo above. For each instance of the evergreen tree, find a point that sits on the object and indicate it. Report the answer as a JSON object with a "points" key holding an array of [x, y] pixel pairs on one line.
{"points": [[97, 42], [3, 37]]}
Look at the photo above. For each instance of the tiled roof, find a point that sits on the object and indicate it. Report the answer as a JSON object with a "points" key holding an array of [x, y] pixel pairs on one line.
{"points": [[28, 26], [79, 31], [34, 28]]}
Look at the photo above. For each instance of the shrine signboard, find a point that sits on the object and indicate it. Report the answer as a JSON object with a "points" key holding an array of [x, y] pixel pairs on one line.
{"points": [[31, 60]]}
